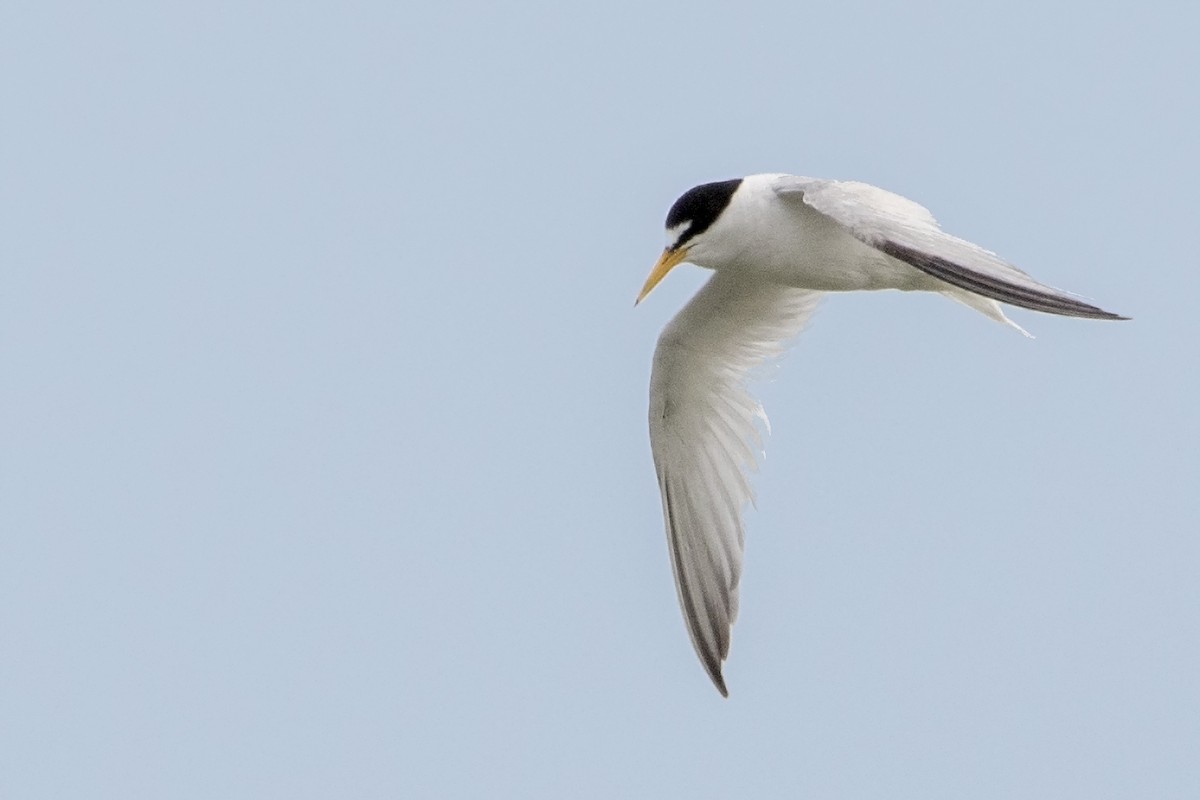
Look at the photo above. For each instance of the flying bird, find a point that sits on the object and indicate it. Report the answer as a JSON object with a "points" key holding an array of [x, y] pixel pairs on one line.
{"points": [[776, 243]]}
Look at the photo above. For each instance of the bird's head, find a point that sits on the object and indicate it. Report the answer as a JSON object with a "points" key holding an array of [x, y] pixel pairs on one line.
{"points": [[688, 224]]}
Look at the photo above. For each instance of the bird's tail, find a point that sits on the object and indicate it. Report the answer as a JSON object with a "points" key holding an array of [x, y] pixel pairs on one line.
{"points": [[989, 308]]}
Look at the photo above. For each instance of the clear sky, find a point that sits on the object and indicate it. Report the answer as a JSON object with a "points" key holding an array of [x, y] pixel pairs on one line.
{"points": [[325, 469]]}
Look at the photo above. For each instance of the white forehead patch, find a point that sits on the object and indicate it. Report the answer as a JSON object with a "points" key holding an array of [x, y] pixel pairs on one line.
{"points": [[676, 231]]}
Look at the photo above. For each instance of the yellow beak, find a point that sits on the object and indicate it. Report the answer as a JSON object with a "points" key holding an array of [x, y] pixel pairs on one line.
{"points": [[666, 262]]}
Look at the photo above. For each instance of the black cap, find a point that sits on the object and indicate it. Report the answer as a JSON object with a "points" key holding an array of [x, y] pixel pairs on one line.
{"points": [[700, 206]]}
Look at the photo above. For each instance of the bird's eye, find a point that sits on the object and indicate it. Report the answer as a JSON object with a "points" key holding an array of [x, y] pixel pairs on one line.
{"points": [[675, 233]]}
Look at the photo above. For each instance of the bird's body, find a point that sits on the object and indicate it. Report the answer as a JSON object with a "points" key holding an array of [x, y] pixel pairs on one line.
{"points": [[776, 243], [795, 246]]}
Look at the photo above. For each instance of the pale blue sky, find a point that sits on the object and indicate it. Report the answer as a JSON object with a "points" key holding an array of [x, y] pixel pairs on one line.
{"points": [[325, 469]]}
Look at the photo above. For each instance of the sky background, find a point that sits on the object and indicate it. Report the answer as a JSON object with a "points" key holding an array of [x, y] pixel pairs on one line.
{"points": [[324, 468]]}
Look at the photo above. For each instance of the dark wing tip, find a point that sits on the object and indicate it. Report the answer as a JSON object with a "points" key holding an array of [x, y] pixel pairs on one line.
{"points": [[1092, 312], [711, 662], [1046, 301], [711, 653]]}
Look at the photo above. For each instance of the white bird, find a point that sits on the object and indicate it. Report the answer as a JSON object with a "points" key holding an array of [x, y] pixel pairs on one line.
{"points": [[776, 243]]}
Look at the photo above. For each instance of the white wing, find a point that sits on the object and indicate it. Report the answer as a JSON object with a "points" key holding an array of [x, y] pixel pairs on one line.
{"points": [[705, 437], [907, 231]]}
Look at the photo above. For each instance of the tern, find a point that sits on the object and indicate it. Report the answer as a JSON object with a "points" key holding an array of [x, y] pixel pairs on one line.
{"points": [[776, 243]]}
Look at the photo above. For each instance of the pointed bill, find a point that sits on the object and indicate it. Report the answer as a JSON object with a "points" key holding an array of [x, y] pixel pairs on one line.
{"points": [[666, 263]]}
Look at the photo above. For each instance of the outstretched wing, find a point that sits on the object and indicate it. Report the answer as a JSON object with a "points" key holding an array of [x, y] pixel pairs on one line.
{"points": [[704, 431], [907, 231]]}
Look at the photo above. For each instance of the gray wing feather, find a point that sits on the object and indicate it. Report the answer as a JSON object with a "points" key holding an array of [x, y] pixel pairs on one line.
{"points": [[907, 232], [704, 431]]}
